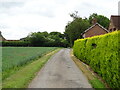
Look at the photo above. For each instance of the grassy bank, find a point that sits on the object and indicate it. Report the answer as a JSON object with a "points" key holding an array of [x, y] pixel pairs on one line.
{"points": [[21, 78], [93, 78]]}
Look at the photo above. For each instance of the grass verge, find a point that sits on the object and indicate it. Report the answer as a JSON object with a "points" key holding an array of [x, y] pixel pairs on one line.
{"points": [[22, 78], [93, 78]]}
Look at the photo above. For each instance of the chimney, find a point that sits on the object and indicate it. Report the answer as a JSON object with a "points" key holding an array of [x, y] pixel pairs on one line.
{"points": [[94, 21]]}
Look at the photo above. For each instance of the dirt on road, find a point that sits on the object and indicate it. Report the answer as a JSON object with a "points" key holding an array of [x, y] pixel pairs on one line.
{"points": [[60, 72]]}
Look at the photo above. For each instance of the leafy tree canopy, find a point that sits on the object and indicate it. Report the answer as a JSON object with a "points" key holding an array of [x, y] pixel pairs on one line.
{"points": [[55, 39], [102, 20], [74, 29]]}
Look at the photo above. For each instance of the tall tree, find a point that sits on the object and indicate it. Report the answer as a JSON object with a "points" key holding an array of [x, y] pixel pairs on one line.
{"points": [[74, 29]]}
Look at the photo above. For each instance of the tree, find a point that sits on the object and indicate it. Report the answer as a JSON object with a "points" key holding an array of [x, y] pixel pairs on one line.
{"points": [[37, 39], [102, 20], [74, 29], [55, 39], [45, 34], [58, 38], [74, 15]]}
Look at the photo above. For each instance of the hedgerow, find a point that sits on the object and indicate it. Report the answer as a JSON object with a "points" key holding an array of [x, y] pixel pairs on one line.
{"points": [[101, 54], [62, 43], [15, 43]]}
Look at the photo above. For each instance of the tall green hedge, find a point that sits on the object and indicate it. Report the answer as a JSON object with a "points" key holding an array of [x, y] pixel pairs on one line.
{"points": [[101, 53]]}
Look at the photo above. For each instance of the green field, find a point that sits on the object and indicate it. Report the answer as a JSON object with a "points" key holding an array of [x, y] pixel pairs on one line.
{"points": [[14, 57]]}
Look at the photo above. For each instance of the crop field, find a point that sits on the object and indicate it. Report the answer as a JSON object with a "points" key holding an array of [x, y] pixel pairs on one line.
{"points": [[17, 56]]}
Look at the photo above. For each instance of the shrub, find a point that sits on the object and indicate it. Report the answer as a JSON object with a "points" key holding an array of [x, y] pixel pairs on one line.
{"points": [[101, 53]]}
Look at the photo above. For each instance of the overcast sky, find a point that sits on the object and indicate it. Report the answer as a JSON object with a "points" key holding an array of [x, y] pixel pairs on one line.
{"points": [[18, 18]]}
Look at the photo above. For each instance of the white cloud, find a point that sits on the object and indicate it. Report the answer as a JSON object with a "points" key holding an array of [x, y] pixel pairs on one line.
{"points": [[20, 17]]}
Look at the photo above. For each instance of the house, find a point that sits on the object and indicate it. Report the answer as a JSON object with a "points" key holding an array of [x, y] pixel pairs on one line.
{"points": [[1, 37], [94, 30], [114, 23]]}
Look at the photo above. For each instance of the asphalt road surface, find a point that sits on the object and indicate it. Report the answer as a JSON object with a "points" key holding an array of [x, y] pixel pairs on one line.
{"points": [[60, 72]]}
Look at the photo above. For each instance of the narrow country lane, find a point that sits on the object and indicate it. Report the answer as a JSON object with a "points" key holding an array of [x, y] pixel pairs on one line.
{"points": [[60, 72]]}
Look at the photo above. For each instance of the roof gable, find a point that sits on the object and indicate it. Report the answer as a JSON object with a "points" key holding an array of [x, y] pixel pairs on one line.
{"points": [[94, 26]]}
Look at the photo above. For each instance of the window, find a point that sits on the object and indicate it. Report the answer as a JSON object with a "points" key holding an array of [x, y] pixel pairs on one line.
{"points": [[114, 29], [110, 30]]}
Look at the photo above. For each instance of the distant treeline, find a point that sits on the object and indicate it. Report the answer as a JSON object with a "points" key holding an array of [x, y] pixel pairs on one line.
{"points": [[39, 39]]}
